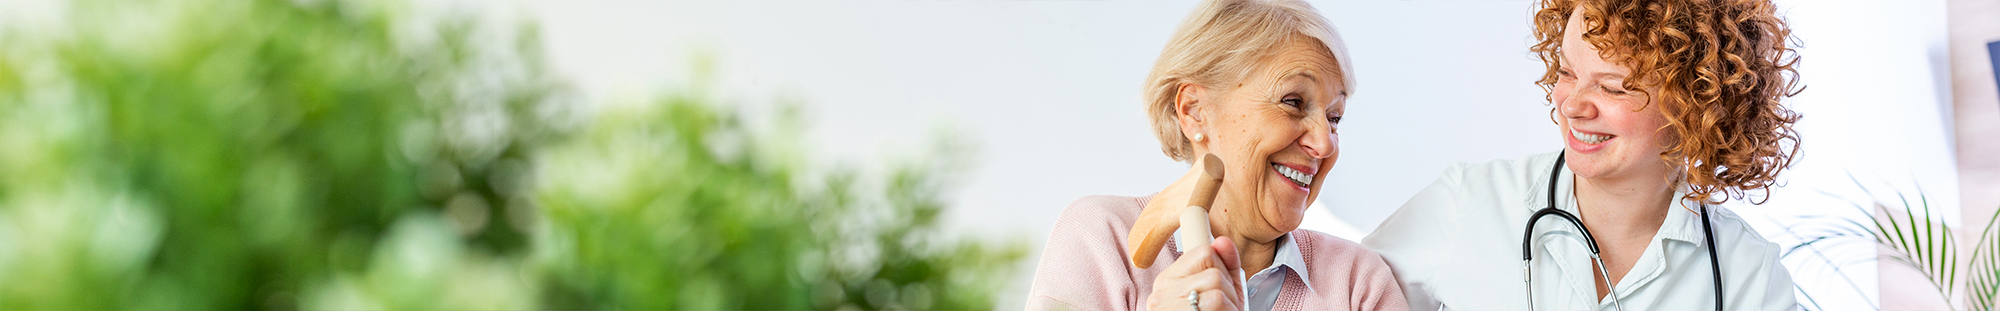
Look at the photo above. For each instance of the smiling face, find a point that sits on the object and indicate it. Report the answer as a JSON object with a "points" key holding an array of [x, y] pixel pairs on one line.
{"points": [[1275, 132], [1608, 131]]}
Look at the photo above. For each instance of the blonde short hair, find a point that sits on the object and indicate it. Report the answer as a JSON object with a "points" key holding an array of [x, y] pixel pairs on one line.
{"points": [[1219, 45]]}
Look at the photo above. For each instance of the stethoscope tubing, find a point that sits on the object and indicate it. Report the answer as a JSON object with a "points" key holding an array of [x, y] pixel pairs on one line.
{"points": [[1528, 255]]}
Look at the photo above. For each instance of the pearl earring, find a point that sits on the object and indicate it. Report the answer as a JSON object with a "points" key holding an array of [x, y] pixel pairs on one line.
{"points": [[1198, 137]]}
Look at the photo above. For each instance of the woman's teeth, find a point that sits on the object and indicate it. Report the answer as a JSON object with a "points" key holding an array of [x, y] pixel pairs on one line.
{"points": [[1299, 178], [1589, 138]]}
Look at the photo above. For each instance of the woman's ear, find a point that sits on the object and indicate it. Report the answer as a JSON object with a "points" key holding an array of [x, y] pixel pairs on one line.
{"points": [[1190, 111]]}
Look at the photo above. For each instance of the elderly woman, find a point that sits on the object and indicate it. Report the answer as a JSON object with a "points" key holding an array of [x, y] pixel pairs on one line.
{"points": [[1261, 85], [1665, 108]]}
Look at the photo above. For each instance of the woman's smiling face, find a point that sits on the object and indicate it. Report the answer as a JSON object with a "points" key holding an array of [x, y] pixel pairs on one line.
{"points": [[1607, 130], [1276, 133]]}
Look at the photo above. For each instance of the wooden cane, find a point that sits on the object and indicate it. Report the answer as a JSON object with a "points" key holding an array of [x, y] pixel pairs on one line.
{"points": [[1155, 225]]}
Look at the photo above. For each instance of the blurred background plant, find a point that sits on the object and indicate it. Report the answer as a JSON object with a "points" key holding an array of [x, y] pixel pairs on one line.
{"points": [[329, 154], [677, 204], [1912, 243]]}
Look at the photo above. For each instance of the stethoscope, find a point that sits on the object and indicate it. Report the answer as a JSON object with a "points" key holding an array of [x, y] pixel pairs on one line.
{"points": [[1528, 256]]}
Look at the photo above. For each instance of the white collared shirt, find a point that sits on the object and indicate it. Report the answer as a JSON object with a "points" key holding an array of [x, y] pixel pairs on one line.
{"points": [[1457, 245], [1262, 288]]}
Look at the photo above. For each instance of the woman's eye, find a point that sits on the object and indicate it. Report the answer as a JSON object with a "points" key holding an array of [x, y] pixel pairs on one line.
{"points": [[1293, 102], [1334, 119], [1612, 91]]}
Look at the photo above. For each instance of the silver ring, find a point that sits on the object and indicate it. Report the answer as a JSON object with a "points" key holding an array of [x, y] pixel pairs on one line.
{"points": [[1194, 300]]}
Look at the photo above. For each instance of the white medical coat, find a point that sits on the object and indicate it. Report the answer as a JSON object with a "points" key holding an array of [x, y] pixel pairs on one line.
{"points": [[1457, 246]]}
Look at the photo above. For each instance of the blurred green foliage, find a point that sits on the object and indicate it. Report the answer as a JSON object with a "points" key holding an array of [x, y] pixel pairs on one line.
{"points": [[674, 204], [279, 154]]}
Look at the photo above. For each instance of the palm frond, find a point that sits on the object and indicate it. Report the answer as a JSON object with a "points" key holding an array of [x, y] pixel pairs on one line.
{"points": [[1916, 238], [1983, 278], [1919, 240], [1813, 232]]}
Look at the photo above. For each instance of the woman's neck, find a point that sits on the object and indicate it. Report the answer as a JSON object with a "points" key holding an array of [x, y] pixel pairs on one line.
{"points": [[1623, 215], [1623, 209], [1254, 255], [1256, 248]]}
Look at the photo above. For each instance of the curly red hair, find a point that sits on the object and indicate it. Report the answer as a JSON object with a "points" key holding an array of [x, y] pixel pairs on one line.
{"points": [[1719, 67]]}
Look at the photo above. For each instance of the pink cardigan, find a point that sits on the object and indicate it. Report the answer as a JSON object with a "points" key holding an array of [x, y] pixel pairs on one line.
{"points": [[1084, 266]]}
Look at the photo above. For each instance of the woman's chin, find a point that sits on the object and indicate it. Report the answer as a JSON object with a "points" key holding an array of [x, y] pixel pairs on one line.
{"points": [[1602, 166], [1284, 199], [1286, 214], [1287, 222], [1585, 166]]}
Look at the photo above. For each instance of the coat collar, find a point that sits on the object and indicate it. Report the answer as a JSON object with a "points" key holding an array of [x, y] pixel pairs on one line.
{"points": [[1681, 224]]}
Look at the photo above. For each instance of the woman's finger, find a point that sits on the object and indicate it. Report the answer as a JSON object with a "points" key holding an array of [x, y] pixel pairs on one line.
{"points": [[1213, 286], [1170, 292], [1213, 272], [1208, 279], [1190, 262], [1230, 265], [1227, 283], [1218, 300], [1226, 250]]}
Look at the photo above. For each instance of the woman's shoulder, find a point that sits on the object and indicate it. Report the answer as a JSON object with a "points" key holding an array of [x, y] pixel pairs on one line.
{"points": [[1751, 265], [1102, 211], [1348, 270], [1319, 247], [1084, 265], [1096, 224], [1735, 237], [1504, 174], [1470, 201], [1480, 187]]}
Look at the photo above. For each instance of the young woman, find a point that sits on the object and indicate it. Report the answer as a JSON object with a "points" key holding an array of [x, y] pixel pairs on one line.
{"points": [[1665, 108]]}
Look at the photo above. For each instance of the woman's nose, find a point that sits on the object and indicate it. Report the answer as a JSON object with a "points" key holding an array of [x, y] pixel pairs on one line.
{"points": [[1579, 104], [1318, 141]]}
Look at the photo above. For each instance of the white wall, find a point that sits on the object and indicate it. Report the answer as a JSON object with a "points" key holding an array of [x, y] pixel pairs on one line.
{"points": [[1876, 125]]}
